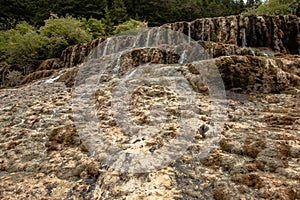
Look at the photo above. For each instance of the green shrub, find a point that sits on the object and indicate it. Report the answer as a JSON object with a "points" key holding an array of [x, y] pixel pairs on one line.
{"points": [[63, 32], [22, 45], [131, 24]]}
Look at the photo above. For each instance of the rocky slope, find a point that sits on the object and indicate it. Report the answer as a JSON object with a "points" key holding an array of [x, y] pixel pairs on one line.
{"points": [[256, 154], [281, 33]]}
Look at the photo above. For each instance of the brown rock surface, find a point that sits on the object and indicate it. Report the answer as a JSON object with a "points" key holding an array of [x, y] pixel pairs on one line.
{"points": [[280, 33], [221, 36], [42, 156]]}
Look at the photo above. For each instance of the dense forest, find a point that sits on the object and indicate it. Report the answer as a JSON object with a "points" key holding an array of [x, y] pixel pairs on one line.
{"points": [[155, 12]]}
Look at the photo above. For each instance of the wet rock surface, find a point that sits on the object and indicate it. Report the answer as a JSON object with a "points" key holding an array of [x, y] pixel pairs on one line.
{"points": [[256, 155], [280, 33]]}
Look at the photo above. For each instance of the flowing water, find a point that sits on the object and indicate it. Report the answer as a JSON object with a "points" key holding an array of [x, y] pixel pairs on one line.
{"points": [[52, 80], [157, 36], [118, 65], [106, 46], [189, 32], [244, 39], [148, 37], [182, 57]]}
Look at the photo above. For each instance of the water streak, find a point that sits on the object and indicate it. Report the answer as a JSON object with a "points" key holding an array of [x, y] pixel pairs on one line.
{"points": [[131, 73], [118, 65], [53, 114], [182, 57], [73, 54], [106, 45], [189, 32], [203, 30], [148, 38], [211, 27], [136, 40], [212, 49], [157, 36], [244, 40], [232, 50], [52, 80]]}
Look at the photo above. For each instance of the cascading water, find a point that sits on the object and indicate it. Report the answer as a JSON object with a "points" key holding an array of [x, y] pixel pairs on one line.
{"points": [[106, 46], [182, 57], [148, 38], [211, 27], [202, 34], [131, 73], [157, 36], [232, 50], [73, 54], [118, 65], [137, 39], [212, 49], [52, 80], [244, 39], [189, 32]]}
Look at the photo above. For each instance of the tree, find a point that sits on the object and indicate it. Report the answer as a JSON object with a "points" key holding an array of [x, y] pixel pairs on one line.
{"points": [[35, 12], [274, 7], [118, 12], [24, 46], [96, 28], [156, 12], [62, 32]]}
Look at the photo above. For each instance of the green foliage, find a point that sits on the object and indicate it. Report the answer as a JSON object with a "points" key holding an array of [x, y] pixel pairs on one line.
{"points": [[112, 13], [131, 24], [118, 12], [62, 32], [22, 45], [3, 45], [95, 27], [35, 12], [109, 24], [83, 8], [274, 7], [26, 46]]}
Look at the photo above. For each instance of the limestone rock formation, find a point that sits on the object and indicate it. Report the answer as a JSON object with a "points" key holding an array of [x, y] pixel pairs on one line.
{"points": [[280, 33], [42, 155], [76, 54], [254, 155]]}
